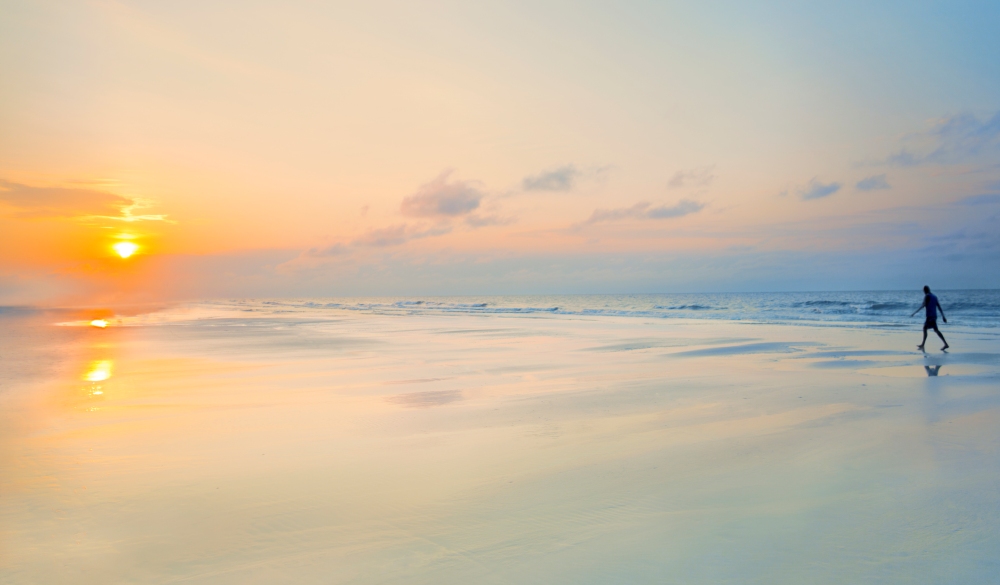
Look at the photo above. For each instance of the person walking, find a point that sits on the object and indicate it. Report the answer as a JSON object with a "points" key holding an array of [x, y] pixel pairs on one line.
{"points": [[932, 305]]}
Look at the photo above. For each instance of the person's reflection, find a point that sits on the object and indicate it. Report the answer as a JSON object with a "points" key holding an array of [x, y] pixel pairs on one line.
{"points": [[932, 370]]}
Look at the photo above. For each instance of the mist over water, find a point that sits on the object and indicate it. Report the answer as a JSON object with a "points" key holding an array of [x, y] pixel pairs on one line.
{"points": [[966, 308]]}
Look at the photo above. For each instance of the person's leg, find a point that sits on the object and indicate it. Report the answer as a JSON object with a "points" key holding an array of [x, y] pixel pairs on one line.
{"points": [[938, 331], [921, 346]]}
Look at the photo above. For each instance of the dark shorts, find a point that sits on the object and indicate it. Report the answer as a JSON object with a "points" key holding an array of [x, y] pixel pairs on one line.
{"points": [[930, 324]]}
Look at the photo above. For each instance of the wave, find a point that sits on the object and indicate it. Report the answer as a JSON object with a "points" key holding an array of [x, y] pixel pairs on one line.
{"points": [[832, 306], [430, 306], [888, 309], [821, 303], [890, 306]]}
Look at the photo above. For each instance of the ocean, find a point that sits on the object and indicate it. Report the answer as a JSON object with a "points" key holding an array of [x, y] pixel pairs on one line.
{"points": [[964, 308]]}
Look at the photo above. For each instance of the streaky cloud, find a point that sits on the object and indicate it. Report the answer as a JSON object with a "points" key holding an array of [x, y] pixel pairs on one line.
{"points": [[682, 208], [634, 212], [817, 190], [559, 179], [401, 233], [984, 199], [478, 221], [384, 237], [693, 178], [73, 203], [337, 249], [57, 202], [904, 158], [439, 198], [954, 140], [873, 183], [642, 210]]}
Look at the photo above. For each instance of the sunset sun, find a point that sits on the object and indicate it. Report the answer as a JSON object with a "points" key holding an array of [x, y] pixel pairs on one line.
{"points": [[125, 249]]}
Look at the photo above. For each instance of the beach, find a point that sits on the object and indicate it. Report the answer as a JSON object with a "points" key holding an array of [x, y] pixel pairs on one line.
{"points": [[209, 443], [483, 293]]}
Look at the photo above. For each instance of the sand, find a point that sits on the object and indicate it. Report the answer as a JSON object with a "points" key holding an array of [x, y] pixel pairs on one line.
{"points": [[357, 448]]}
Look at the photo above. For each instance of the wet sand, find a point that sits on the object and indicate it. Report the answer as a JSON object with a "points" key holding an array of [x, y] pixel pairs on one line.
{"points": [[355, 448]]}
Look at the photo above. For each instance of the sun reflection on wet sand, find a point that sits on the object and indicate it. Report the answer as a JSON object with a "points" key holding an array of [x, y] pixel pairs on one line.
{"points": [[99, 371]]}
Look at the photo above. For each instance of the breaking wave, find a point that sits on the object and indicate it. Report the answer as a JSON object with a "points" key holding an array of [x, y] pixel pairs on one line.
{"points": [[979, 308]]}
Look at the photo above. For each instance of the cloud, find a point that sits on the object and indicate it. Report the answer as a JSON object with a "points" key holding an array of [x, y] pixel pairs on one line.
{"points": [[953, 140], [393, 235], [329, 251], [904, 158], [478, 221], [439, 198], [642, 210], [682, 208], [635, 212], [816, 190], [58, 202], [559, 179], [985, 199], [399, 234], [872, 183], [340, 253], [693, 178]]}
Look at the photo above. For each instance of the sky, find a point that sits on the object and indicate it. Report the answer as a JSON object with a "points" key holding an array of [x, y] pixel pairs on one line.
{"points": [[305, 149]]}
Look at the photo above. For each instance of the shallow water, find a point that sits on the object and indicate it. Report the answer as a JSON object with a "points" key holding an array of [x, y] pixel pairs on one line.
{"points": [[253, 443]]}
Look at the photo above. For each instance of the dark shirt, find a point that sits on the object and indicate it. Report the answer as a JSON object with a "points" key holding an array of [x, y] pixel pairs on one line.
{"points": [[931, 302]]}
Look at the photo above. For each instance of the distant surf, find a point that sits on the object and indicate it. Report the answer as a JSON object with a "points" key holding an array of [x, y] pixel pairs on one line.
{"points": [[967, 308]]}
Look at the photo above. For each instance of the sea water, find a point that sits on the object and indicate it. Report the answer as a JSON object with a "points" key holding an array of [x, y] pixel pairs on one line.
{"points": [[964, 308]]}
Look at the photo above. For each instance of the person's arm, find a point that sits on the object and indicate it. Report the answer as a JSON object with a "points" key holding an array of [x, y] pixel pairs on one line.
{"points": [[940, 308], [922, 305]]}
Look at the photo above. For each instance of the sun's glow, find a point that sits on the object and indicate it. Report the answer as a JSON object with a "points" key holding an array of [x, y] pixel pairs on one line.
{"points": [[99, 371], [125, 249], [99, 323]]}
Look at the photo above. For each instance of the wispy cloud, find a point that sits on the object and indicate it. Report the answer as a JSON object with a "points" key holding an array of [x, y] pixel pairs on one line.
{"points": [[340, 252], [478, 220], [565, 177], [558, 179], [439, 198], [637, 211], [873, 183], [682, 208], [814, 189], [953, 140], [75, 203], [393, 235], [984, 199], [643, 210], [692, 178], [401, 233], [334, 250]]}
